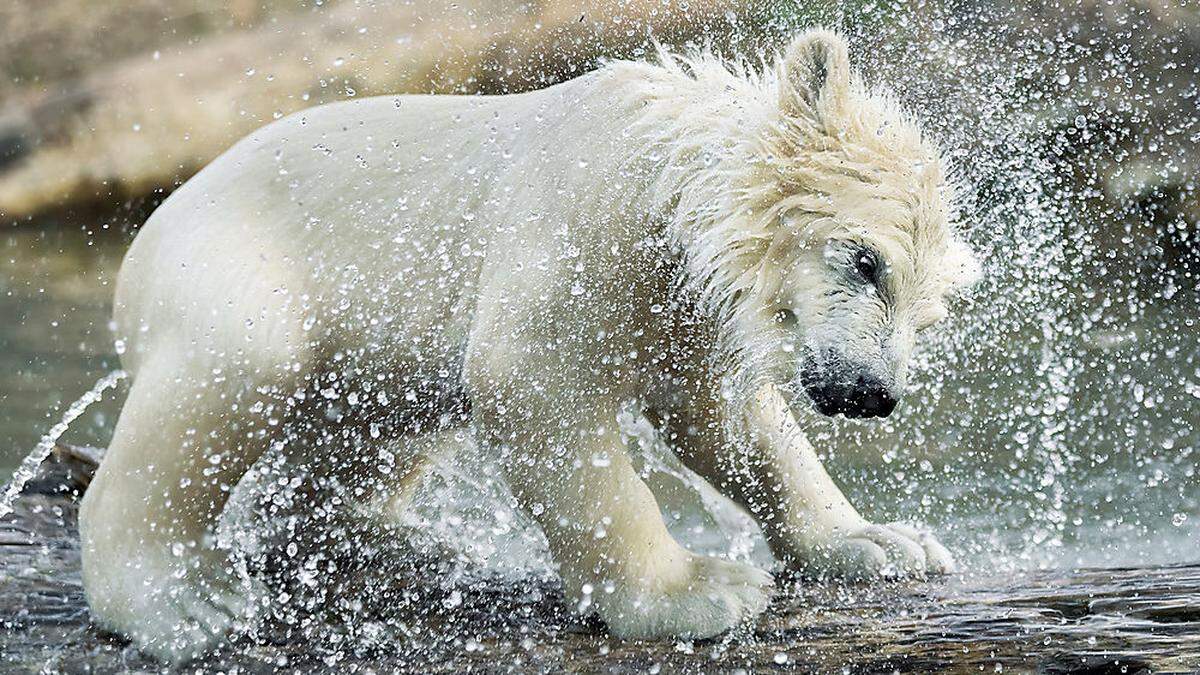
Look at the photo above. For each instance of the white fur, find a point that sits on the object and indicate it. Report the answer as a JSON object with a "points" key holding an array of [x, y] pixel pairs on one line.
{"points": [[546, 257]]}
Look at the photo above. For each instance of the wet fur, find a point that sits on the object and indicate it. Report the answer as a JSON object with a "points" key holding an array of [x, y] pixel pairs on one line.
{"points": [[528, 264]]}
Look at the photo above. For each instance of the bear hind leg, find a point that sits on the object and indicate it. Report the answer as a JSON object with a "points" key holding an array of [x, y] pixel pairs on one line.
{"points": [[151, 567]]}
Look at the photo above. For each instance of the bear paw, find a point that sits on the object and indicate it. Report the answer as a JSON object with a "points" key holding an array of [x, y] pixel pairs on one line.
{"points": [[713, 596], [191, 621], [891, 551], [174, 615]]}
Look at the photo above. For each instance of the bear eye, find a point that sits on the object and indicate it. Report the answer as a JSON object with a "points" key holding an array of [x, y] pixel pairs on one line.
{"points": [[785, 317], [867, 265]]}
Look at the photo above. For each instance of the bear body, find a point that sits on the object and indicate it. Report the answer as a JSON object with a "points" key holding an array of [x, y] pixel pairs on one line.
{"points": [[522, 265]]}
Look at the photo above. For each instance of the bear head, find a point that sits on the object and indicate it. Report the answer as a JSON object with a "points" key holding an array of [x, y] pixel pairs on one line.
{"points": [[863, 256]]}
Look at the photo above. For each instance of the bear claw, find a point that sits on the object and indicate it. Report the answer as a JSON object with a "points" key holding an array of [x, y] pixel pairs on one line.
{"points": [[890, 551]]}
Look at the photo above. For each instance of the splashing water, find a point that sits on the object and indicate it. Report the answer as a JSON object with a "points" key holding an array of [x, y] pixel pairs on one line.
{"points": [[1050, 423], [30, 464]]}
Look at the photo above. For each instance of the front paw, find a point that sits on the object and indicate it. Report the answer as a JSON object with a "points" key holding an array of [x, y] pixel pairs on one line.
{"points": [[871, 551], [709, 596]]}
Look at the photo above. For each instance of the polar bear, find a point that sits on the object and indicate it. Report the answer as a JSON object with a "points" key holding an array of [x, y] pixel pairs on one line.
{"points": [[723, 248]]}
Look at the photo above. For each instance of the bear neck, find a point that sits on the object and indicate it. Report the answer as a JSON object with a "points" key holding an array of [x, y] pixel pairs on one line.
{"points": [[701, 126]]}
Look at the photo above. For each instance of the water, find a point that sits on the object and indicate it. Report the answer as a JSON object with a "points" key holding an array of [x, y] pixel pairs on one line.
{"points": [[29, 465], [55, 304]]}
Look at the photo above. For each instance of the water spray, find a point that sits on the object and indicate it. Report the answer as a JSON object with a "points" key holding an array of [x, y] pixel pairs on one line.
{"points": [[45, 446]]}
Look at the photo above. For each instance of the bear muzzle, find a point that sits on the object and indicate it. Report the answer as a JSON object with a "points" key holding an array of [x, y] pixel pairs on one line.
{"points": [[864, 397]]}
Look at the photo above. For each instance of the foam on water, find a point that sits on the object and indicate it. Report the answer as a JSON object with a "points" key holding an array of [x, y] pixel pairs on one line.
{"points": [[30, 464]]}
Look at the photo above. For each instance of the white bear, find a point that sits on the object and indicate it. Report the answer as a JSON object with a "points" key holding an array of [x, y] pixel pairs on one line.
{"points": [[723, 248]]}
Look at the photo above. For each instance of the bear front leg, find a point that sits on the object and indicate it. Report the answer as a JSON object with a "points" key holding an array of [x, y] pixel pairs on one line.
{"points": [[818, 531], [606, 532], [809, 524]]}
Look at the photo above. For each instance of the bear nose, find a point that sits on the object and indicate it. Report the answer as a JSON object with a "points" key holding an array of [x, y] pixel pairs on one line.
{"points": [[866, 397], [876, 403]]}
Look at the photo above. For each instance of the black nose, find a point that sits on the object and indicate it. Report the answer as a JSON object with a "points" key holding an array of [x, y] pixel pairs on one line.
{"points": [[876, 403], [867, 397]]}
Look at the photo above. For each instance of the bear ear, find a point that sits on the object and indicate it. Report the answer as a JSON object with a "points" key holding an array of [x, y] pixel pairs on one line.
{"points": [[815, 77]]}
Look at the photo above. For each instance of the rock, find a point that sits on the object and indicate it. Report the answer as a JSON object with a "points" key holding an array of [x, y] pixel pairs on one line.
{"points": [[1095, 621]]}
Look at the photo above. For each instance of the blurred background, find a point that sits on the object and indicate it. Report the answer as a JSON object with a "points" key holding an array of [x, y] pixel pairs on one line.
{"points": [[1053, 421]]}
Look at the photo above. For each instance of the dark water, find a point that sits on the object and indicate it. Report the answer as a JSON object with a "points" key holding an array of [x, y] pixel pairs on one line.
{"points": [[55, 299], [1084, 455]]}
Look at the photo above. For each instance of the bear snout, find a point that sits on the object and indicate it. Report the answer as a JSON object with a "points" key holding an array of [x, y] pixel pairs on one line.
{"points": [[864, 397]]}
